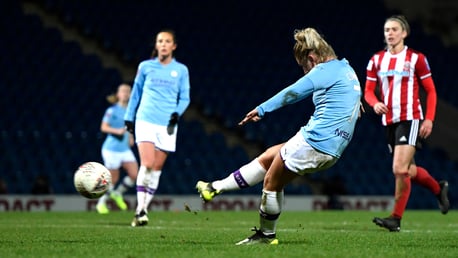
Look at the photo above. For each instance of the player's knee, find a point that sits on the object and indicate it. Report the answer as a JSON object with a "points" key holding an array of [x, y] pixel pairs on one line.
{"points": [[400, 169]]}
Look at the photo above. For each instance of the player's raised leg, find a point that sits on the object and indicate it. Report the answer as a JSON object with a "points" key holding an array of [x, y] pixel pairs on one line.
{"points": [[439, 189], [246, 176]]}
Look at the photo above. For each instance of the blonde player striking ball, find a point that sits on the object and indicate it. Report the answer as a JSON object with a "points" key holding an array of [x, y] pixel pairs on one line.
{"points": [[317, 146]]}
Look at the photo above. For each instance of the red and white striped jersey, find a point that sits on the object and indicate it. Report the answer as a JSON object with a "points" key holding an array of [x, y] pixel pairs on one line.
{"points": [[398, 76]]}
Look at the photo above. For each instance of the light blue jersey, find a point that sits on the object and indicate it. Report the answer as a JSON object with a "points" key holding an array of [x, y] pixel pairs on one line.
{"points": [[114, 116], [336, 95], [158, 91]]}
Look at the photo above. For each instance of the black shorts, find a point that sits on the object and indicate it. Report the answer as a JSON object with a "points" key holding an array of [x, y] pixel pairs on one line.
{"points": [[405, 132]]}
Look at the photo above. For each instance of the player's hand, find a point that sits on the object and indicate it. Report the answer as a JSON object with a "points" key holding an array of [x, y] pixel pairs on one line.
{"points": [[426, 128], [130, 126], [172, 122], [362, 110], [121, 131], [380, 108], [252, 116]]}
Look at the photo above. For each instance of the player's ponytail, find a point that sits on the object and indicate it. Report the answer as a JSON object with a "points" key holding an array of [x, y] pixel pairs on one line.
{"points": [[112, 99], [308, 40]]}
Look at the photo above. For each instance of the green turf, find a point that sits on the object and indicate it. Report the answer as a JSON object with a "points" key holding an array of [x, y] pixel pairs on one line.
{"points": [[213, 234]]}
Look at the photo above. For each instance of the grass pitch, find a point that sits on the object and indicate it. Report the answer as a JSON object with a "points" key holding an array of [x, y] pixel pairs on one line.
{"points": [[213, 234]]}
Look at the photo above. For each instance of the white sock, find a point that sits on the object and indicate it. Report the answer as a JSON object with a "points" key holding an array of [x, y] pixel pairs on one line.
{"points": [[269, 211], [248, 175], [142, 183], [152, 186], [104, 198], [125, 184]]}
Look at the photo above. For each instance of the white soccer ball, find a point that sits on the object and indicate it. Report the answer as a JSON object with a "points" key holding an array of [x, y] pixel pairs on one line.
{"points": [[92, 180]]}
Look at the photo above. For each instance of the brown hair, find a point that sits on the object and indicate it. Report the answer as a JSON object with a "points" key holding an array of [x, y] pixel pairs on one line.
{"points": [[308, 40], [401, 19], [171, 32]]}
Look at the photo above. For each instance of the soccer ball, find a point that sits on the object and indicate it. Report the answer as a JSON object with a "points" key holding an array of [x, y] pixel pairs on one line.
{"points": [[92, 180]]}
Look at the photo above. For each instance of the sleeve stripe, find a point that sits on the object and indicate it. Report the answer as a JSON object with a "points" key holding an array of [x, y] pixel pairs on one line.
{"points": [[371, 79], [425, 76]]}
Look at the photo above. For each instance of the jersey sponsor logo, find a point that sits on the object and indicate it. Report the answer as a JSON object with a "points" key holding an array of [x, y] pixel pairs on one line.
{"points": [[343, 134], [161, 82], [393, 73]]}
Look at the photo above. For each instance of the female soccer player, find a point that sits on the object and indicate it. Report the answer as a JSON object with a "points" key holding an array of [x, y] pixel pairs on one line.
{"points": [[399, 71], [116, 149], [320, 143], [160, 96]]}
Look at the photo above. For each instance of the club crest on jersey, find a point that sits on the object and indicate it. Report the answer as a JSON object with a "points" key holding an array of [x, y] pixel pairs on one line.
{"points": [[406, 66], [174, 73]]}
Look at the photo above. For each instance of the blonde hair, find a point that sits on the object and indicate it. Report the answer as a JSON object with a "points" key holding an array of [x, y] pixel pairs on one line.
{"points": [[402, 20], [113, 98], [308, 40]]}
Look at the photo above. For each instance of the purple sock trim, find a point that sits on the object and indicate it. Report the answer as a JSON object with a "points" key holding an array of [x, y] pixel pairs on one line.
{"points": [[141, 188], [239, 179], [150, 190]]}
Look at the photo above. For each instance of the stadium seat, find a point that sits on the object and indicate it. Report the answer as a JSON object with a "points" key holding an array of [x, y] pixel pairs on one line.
{"points": [[231, 72]]}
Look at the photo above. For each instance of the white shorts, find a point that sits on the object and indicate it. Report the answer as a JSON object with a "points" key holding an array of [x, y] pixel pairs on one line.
{"points": [[157, 134], [301, 158], [114, 159]]}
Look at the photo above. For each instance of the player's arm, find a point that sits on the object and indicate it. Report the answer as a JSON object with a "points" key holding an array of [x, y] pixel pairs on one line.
{"points": [[423, 71], [131, 140], [184, 94], [431, 98], [289, 95], [369, 90], [295, 92], [135, 95], [182, 103], [369, 93], [371, 83], [431, 101], [106, 128]]}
